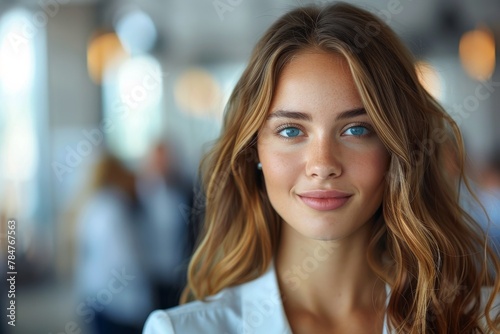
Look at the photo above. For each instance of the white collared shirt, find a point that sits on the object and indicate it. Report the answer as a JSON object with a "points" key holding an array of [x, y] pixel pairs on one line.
{"points": [[252, 307], [248, 308]]}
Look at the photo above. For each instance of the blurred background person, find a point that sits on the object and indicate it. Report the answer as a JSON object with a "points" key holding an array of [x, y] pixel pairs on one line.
{"points": [[484, 203], [111, 279], [165, 194], [489, 196]]}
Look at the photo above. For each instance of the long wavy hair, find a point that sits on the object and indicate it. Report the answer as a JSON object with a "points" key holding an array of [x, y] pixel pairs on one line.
{"points": [[431, 252]]}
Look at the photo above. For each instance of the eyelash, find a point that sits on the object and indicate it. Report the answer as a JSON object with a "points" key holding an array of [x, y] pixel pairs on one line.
{"points": [[292, 125], [285, 126], [367, 126]]}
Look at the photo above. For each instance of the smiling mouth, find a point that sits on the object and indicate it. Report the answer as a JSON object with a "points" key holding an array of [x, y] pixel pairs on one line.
{"points": [[325, 203]]}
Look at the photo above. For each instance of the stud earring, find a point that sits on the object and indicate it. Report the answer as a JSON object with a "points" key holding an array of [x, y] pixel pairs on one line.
{"points": [[259, 166]]}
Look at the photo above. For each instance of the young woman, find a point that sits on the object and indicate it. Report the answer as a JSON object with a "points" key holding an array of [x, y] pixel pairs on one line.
{"points": [[328, 207]]}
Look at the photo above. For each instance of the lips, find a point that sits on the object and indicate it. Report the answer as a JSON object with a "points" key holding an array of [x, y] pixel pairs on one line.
{"points": [[324, 200]]}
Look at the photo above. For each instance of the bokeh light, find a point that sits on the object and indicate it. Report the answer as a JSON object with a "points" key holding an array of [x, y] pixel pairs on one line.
{"points": [[429, 79], [137, 32], [104, 51], [198, 93], [477, 53]]}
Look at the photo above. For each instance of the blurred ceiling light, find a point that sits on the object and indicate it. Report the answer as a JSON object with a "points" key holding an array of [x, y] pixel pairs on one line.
{"points": [[198, 93], [429, 79], [133, 102], [136, 31], [104, 50], [477, 53], [140, 83]]}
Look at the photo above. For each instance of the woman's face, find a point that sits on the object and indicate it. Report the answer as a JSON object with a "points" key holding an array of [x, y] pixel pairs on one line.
{"points": [[322, 161]]}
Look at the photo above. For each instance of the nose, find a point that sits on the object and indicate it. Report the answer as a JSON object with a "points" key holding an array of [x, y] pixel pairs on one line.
{"points": [[323, 159]]}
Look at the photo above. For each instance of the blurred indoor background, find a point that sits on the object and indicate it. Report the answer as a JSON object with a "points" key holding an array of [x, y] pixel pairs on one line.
{"points": [[106, 108]]}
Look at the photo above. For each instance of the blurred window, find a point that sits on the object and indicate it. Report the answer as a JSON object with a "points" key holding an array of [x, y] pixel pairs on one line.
{"points": [[19, 115]]}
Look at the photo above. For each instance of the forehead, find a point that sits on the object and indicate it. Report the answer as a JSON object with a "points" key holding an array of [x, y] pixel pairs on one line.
{"points": [[316, 78]]}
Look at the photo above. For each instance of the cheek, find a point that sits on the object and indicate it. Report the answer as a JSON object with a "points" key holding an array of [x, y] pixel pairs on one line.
{"points": [[280, 168], [369, 169]]}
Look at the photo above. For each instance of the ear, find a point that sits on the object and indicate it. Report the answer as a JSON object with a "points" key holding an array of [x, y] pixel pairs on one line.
{"points": [[251, 155]]}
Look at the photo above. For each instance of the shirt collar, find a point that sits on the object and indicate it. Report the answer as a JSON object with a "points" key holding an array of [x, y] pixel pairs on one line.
{"points": [[262, 305]]}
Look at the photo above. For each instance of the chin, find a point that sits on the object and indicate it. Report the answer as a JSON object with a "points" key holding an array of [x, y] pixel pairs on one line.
{"points": [[330, 231]]}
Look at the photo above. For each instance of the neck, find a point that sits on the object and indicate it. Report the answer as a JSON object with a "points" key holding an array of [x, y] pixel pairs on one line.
{"points": [[327, 277]]}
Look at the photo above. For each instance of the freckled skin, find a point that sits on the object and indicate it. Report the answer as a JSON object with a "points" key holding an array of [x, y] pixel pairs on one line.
{"points": [[327, 153]]}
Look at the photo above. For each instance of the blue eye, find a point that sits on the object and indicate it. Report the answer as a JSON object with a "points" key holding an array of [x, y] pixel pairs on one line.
{"points": [[290, 132], [357, 131]]}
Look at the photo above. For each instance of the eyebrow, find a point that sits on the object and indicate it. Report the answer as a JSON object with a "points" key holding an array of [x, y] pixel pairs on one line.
{"points": [[307, 117]]}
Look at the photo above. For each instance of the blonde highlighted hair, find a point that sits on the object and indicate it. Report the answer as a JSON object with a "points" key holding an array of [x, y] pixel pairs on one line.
{"points": [[425, 246]]}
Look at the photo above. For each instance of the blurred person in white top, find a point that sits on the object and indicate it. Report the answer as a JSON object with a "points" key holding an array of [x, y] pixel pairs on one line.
{"points": [[114, 289]]}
